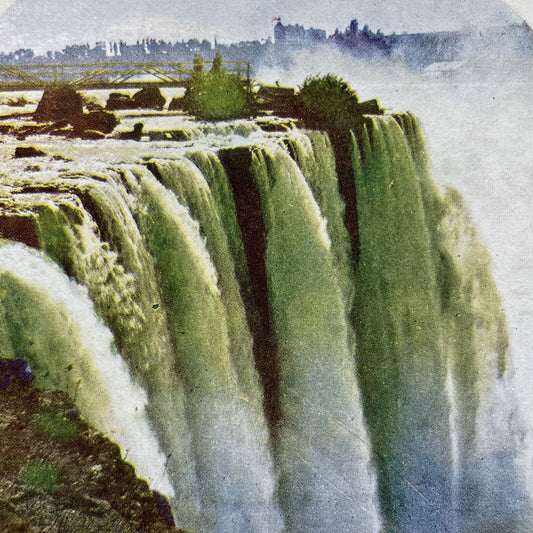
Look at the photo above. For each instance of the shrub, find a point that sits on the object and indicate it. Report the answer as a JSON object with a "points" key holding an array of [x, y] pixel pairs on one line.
{"points": [[56, 426], [328, 100], [39, 476], [219, 95]]}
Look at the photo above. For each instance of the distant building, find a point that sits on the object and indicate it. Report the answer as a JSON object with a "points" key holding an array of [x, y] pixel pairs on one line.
{"points": [[296, 34]]}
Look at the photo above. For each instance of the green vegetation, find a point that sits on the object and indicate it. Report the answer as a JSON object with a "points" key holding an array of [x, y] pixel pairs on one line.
{"points": [[328, 101], [56, 426], [198, 64], [39, 476], [219, 95], [217, 63]]}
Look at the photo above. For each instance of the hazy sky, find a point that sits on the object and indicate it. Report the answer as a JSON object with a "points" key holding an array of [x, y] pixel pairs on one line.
{"points": [[50, 24]]}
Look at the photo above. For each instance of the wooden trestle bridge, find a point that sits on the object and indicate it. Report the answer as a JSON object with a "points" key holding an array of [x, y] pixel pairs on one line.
{"points": [[111, 75]]}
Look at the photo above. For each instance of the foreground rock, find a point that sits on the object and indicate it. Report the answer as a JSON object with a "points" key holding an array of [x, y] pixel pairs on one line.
{"points": [[58, 103], [102, 121], [117, 101], [149, 98], [58, 475], [28, 151]]}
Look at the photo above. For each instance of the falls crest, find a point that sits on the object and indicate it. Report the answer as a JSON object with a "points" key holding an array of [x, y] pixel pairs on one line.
{"points": [[283, 384]]}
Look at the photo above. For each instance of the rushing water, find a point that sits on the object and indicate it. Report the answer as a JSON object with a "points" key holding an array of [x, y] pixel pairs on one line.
{"points": [[279, 383]]}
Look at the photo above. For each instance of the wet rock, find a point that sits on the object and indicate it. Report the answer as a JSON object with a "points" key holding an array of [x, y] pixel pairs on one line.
{"points": [[28, 151], [275, 126], [149, 98], [102, 121], [6, 129], [60, 157], [66, 131], [177, 104], [11, 522], [134, 135], [17, 369], [90, 135], [96, 492], [58, 103], [169, 135], [92, 103], [117, 101], [21, 101]]}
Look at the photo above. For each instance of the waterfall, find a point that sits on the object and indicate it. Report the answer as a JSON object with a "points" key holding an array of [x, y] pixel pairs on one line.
{"points": [[50, 321], [432, 345], [249, 363]]}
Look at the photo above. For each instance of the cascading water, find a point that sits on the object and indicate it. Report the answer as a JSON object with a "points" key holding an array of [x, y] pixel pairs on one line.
{"points": [[48, 319], [288, 385]]}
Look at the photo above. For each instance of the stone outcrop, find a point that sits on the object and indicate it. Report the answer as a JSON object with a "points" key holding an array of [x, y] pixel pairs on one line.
{"points": [[149, 97], [57, 103], [132, 135], [117, 101], [28, 151], [59, 475], [102, 121]]}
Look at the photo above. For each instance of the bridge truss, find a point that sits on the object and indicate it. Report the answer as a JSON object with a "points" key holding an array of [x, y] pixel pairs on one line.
{"points": [[111, 75]]}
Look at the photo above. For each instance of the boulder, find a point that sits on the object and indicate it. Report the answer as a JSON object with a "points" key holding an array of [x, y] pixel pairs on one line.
{"points": [[58, 103], [117, 101], [28, 151], [134, 135], [149, 97], [103, 121], [177, 104]]}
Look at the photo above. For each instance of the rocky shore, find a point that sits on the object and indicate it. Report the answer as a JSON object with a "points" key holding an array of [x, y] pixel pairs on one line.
{"points": [[58, 475]]}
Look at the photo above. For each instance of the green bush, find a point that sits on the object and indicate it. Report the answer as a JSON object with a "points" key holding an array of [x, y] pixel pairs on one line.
{"points": [[56, 426], [328, 101], [40, 476], [219, 95]]}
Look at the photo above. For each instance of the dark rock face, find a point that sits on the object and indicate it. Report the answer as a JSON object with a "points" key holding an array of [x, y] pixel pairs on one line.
{"points": [[149, 98], [102, 121], [282, 101], [58, 103], [28, 151]]}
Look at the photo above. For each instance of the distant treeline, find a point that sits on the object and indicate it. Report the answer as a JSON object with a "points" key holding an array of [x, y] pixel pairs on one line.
{"points": [[416, 49]]}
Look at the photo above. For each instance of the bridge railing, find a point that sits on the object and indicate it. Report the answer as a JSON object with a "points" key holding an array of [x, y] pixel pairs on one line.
{"points": [[108, 75]]}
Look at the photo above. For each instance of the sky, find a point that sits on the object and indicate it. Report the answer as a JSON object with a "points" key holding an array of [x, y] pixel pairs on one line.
{"points": [[50, 24]]}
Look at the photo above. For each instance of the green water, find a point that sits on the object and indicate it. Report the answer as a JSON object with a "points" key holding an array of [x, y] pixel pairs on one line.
{"points": [[274, 382]]}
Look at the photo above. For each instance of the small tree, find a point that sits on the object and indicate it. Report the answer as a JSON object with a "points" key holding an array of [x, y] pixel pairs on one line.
{"points": [[328, 101], [219, 96], [217, 63], [198, 66]]}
